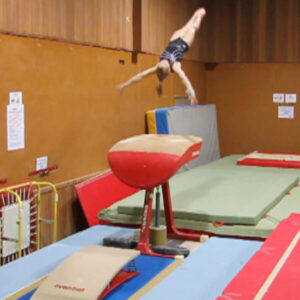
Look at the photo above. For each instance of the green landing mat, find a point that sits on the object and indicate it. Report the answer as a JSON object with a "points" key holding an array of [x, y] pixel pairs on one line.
{"points": [[289, 203], [220, 191]]}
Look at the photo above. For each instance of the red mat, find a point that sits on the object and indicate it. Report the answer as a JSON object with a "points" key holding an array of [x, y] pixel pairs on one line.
{"points": [[101, 192], [271, 159], [273, 272]]}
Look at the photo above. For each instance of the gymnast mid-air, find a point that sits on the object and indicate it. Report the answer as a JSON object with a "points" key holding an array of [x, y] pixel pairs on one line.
{"points": [[170, 60]]}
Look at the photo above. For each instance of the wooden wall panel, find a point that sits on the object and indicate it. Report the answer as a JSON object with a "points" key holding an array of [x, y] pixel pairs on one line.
{"points": [[99, 22], [177, 14], [233, 30], [154, 24], [251, 31], [247, 117], [221, 40], [160, 19]]}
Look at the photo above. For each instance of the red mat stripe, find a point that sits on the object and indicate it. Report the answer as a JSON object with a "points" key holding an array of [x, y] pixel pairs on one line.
{"points": [[269, 162], [287, 283]]}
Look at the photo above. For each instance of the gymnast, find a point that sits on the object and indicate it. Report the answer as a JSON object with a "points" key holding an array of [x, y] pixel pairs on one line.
{"points": [[170, 60]]}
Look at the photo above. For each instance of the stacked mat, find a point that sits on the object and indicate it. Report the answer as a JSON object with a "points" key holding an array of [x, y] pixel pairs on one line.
{"points": [[224, 198], [198, 120]]}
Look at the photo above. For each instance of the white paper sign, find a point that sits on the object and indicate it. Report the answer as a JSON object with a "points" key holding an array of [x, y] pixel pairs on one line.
{"points": [[41, 163], [290, 98], [15, 127], [278, 98], [286, 112], [16, 98]]}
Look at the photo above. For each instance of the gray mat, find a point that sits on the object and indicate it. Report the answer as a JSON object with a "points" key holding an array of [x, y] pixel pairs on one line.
{"points": [[202, 121]]}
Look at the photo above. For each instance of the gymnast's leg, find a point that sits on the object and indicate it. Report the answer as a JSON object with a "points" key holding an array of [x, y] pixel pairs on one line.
{"points": [[187, 32]]}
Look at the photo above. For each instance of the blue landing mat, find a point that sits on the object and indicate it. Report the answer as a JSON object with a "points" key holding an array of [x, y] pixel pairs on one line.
{"points": [[202, 275], [206, 272]]}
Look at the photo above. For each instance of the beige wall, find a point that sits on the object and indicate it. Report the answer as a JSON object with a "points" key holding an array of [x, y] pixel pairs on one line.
{"points": [[247, 117]]}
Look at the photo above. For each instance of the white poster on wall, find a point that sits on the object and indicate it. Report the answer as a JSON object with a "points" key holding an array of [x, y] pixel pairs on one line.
{"points": [[286, 112], [15, 122], [41, 163]]}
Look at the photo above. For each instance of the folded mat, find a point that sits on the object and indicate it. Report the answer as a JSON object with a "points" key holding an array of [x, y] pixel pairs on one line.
{"points": [[258, 158], [221, 191]]}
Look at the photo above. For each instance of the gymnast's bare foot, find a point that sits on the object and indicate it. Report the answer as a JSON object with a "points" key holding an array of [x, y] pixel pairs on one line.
{"points": [[201, 11]]}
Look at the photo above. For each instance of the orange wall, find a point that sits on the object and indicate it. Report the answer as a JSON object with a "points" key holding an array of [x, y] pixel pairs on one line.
{"points": [[74, 114], [247, 117], [73, 111]]}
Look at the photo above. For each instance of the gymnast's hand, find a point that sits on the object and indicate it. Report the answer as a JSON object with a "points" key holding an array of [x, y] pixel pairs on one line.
{"points": [[193, 101], [120, 89]]}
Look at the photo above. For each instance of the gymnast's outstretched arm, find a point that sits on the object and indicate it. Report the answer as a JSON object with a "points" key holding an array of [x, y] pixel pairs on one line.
{"points": [[137, 77], [189, 89]]}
